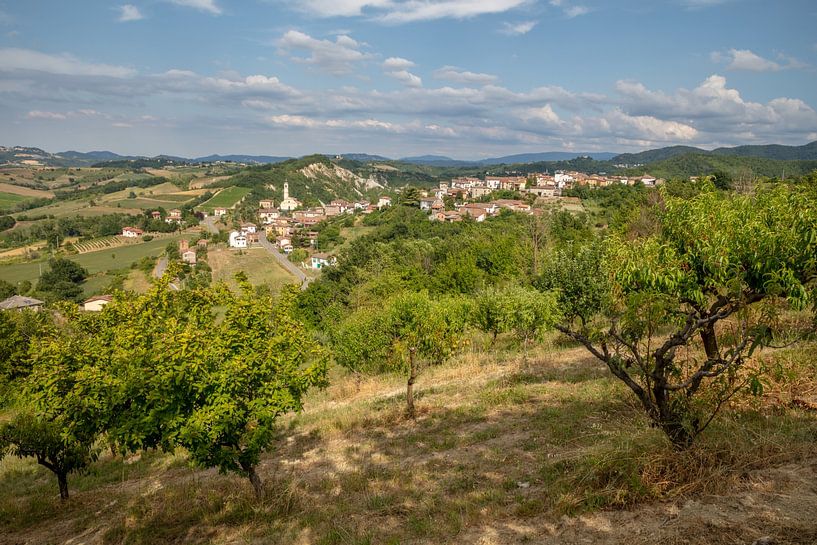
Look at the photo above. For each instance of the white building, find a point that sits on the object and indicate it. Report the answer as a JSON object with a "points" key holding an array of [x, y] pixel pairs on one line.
{"points": [[321, 260], [96, 303], [238, 240], [562, 180], [384, 201], [248, 228], [289, 204], [131, 232]]}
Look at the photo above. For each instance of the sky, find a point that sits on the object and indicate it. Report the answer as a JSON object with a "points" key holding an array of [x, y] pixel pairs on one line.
{"points": [[463, 78]]}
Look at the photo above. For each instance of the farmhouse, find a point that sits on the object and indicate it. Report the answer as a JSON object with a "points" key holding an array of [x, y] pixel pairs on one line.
{"points": [[321, 260], [19, 302], [268, 215], [189, 256], [384, 201], [156, 215], [285, 244], [96, 303], [266, 203], [131, 232], [219, 212], [249, 227], [174, 216]]}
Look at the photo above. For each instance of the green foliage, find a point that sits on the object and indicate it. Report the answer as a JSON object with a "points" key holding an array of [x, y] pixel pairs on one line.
{"points": [[6, 222], [712, 278], [63, 280], [525, 311], [43, 438], [209, 370], [7, 289]]}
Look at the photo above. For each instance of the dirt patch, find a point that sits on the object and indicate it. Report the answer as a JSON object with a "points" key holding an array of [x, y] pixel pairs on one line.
{"points": [[779, 503]]}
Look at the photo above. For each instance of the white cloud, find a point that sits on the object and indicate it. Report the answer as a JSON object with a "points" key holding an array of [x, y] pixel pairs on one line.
{"points": [[452, 73], [406, 11], [208, 6], [14, 59], [336, 57], [570, 11], [744, 59], [517, 29], [397, 63], [406, 78], [129, 12], [39, 114]]}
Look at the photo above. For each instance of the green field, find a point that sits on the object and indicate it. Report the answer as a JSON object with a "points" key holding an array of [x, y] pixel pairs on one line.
{"points": [[7, 200], [226, 198], [105, 260], [259, 265]]}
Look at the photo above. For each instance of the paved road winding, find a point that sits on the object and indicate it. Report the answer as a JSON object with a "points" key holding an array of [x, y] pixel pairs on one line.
{"points": [[282, 259]]}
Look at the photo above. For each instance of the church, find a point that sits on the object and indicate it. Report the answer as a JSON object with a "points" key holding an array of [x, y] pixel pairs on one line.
{"points": [[289, 204]]}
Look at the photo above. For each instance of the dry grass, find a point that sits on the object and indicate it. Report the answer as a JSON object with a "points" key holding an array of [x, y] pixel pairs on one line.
{"points": [[504, 447]]}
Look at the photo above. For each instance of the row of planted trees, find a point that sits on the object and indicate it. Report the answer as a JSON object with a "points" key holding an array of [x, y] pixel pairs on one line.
{"points": [[675, 306], [208, 370]]}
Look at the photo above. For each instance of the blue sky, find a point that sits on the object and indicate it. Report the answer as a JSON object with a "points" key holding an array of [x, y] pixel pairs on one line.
{"points": [[464, 78]]}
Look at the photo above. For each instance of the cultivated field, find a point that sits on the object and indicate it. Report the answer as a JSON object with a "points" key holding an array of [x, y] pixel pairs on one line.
{"points": [[109, 259], [7, 200], [547, 449], [225, 198], [25, 191]]}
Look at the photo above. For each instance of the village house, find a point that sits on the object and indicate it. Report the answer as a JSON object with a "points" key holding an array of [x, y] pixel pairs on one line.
{"points": [[448, 216], [550, 190], [648, 180], [19, 302], [331, 210], [249, 227], [345, 207], [478, 214], [202, 243], [219, 212], [96, 303], [174, 216], [309, 217], [284, 244], [266, 203], [512, 204], [321, 260], [362, 205], [268, 215], [156, 215], [384, 201], [438, 205], [426, 203], [189, 256], [478, 191], [312, 237], [562, 179], [131, 232], [238, 240]]}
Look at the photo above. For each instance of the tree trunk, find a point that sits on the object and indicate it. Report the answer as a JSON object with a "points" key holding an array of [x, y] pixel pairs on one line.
{"points": [[493, 339], [255, 480], [62, 479], [410, 384]]}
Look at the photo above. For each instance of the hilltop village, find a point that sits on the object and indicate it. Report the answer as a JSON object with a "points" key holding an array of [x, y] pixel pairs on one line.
{"points": [[451, 201]]}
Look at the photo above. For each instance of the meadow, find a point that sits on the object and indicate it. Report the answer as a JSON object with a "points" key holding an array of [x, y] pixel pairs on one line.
{"points": [[259, 265]]}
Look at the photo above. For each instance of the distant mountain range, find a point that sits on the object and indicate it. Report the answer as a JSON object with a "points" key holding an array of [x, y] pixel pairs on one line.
{"points": [[30, 155], [807, 152]]}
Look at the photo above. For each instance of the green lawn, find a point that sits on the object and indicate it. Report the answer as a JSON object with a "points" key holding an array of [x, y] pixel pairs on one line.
{"points": [[7, 200], [103, 260], [226, 198]]}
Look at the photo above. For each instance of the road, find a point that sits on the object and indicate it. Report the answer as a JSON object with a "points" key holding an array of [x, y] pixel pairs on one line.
{"points": [[282, 259], [160, 267]]}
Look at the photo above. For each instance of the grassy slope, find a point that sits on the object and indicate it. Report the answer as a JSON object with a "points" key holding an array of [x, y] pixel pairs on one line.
{"points": [[225, 198], [261, 267], [7, 200], [503, 447]]}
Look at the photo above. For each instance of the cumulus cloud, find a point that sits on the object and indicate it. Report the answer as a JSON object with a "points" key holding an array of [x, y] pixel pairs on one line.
{"points": [[517, 29], [129, 12], [336, 57], [406, 11], [406, 78], [15, 59], [744, 59], [208, 6], [452, 73], [397, 63]]}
